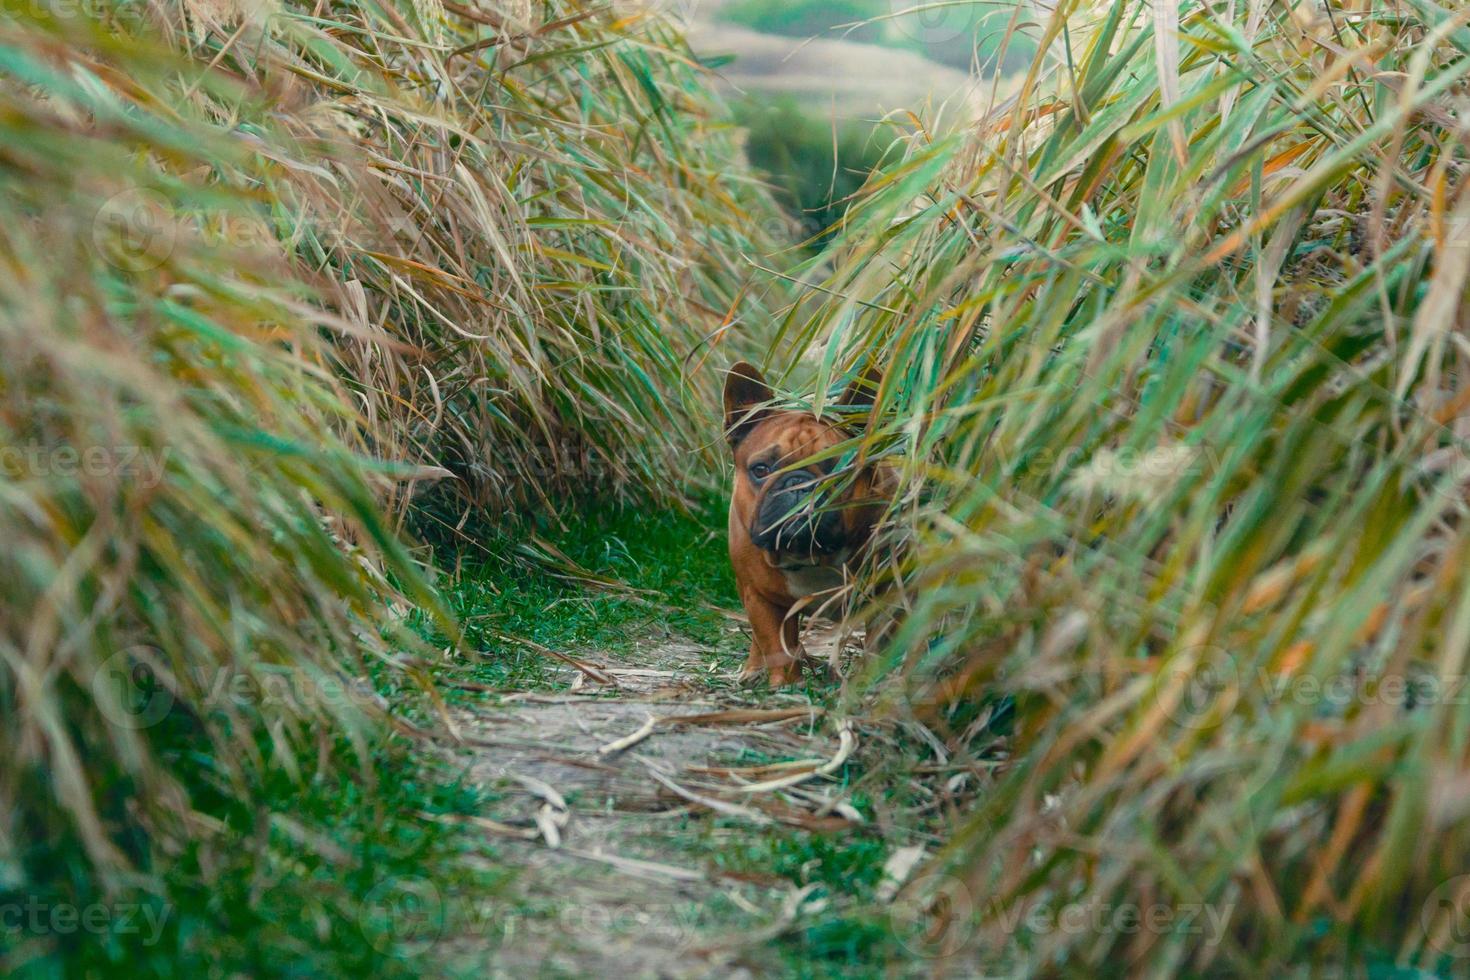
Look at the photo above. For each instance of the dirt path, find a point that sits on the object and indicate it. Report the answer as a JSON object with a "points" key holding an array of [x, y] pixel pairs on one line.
{"points": [[623, 804]]}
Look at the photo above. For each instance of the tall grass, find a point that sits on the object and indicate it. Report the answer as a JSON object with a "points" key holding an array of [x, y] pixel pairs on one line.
{"points": [[267, 270], [1175, 372], [545, 216], [189, 510]]}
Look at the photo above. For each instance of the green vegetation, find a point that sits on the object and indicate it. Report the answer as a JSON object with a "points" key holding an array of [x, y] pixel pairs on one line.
{"points": [[598, 579], [311, 894], [851, 937], [268, 270], [961, 35], [845, 865], [319, 320], [814, 165], [1171, 353]]}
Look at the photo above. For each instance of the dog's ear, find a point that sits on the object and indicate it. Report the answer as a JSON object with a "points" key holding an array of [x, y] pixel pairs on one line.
{"points": [[864, 389], [745, 391]]}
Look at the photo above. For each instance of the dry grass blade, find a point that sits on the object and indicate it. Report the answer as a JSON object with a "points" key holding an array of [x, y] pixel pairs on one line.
{"points": [[846, 743], [594, 674], [629, 740], [637, 867], [708, 802]]}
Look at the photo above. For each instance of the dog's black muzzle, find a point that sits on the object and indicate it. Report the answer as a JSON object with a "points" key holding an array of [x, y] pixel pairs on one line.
{"points": [[790, 520]]}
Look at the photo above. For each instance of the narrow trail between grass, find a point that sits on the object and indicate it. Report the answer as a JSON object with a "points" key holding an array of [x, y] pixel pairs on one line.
{"points": [[602, 807], [611, 802]]}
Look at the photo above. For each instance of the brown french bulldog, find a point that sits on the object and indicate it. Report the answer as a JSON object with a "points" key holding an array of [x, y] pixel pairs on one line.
{"points": [[787, 543]]}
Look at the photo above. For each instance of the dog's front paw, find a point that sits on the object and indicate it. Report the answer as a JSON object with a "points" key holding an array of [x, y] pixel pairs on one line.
{"points": [[785, 674]]}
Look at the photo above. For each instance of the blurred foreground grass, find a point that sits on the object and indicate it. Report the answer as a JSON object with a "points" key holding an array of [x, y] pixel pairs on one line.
{"points": [[267, 271], [1176, 374], [1175, 359]]}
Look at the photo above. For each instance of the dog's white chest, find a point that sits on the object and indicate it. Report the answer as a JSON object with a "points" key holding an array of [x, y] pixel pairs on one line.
{"points": [[805, 580]]}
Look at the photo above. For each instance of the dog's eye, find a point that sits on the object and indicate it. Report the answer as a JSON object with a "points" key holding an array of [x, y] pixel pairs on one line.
{"points": [[760, 470]]}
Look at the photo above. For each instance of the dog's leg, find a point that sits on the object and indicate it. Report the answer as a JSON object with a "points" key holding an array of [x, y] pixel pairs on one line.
{"points": [[784, 663], [769, 627], [755, 663]]}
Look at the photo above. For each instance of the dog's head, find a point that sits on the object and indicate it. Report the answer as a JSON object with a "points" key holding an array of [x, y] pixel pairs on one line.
{"points": [[779, 497]]}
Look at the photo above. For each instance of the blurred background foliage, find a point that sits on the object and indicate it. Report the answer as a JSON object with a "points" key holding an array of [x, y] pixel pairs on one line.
{"points": [[814, 166], [965, 36]]}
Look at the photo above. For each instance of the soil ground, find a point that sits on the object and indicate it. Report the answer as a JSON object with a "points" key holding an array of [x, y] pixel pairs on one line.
{"points": [[647, 815], [612, 879]]}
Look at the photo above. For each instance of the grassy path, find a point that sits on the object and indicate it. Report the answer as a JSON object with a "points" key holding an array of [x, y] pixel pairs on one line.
{"points": [[620, 873], [618, 798]]}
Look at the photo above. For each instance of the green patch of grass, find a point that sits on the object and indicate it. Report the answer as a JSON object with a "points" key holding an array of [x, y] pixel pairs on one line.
{"points": [[848, 865], [857, 944], [604, 579], [848, 937], [339, 873]]}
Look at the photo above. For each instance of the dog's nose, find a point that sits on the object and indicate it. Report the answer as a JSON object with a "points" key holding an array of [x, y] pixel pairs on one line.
{"points": [[788, 519]]}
